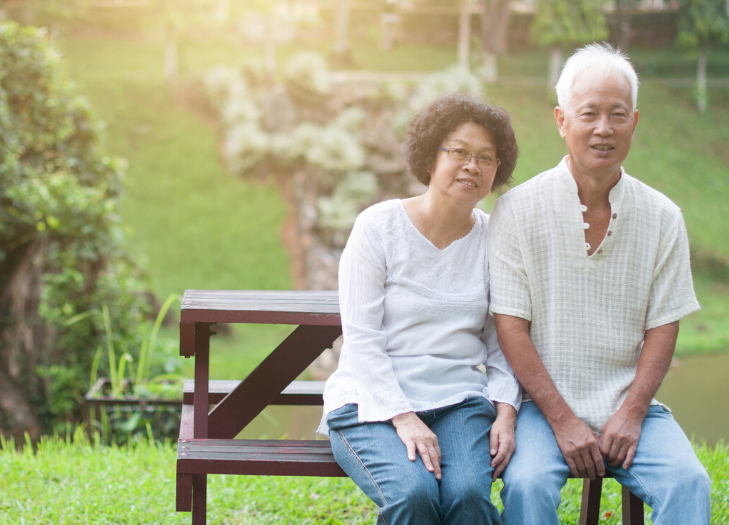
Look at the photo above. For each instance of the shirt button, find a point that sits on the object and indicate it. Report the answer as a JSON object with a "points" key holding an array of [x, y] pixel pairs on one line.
{"points": [[615, 215], [587, 245], [610, 233], [583, 207], [585, 225]]}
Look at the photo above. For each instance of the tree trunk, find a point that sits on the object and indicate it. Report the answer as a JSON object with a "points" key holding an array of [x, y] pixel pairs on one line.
{"points": [[701, 94], [624, 10], [171, 53], [555, 63], [464, 36], [222, 11], [490, 68], [25, 339], [341, 46], [495, 19]]}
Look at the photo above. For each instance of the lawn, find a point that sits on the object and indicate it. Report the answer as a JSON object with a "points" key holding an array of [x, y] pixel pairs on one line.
{"points": [[70, 480]]}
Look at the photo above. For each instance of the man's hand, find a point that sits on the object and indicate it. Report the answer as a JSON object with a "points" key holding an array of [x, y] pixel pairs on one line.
{"points": [[502, 442], [580, 448], [619, 438], [418, 437]]}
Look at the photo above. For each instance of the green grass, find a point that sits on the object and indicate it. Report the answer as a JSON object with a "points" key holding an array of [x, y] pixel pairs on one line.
{"points": [[70, 480]]}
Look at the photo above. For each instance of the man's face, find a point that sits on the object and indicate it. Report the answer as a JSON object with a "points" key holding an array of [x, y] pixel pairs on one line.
{"points": [[597, 123]]}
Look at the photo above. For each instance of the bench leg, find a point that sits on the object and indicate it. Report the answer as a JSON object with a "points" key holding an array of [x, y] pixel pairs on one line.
{"points": [[183, 491], [632, 508], [199, 498], [590, 509]]}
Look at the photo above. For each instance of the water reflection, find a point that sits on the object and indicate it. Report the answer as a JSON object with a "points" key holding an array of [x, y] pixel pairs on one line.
{"points": [[695, 390]]}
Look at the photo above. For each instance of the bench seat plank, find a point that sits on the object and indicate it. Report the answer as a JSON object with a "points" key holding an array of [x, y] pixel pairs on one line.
{"points": [[258, 457], [297, 393], [266, 307]]}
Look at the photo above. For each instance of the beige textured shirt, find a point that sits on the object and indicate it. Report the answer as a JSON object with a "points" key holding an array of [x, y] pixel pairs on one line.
{"points": [[589, 314]]}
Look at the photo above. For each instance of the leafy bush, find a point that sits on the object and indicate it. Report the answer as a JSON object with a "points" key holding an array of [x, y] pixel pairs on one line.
{"points": [[61, 250]]}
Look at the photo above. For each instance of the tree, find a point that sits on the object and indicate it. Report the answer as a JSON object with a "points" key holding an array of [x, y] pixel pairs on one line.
{"points": [[56, 15], [702, 25], [495, 19], [60, 251], [567, 22]]}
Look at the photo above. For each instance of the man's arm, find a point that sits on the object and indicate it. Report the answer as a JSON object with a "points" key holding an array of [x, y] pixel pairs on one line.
{"points": [[620, 435], [578, 443]]}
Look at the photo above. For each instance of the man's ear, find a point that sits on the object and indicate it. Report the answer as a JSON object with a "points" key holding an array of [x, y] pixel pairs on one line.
{"points": [[559, 119]]}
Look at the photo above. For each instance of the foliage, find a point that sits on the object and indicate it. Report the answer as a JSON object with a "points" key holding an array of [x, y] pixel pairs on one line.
{"points": [[558, 22], [703, 23], [60, 241], [71, 479]]}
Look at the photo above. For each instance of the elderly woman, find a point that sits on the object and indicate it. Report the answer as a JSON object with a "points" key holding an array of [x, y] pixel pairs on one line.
{"points": [[411, 418]]}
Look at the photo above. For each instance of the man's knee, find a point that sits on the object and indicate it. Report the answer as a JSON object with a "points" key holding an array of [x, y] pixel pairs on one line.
{"points": [[534, 484]]}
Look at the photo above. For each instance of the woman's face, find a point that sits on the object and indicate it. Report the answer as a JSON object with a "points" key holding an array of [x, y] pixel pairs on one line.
{"points": [[464, 181]]}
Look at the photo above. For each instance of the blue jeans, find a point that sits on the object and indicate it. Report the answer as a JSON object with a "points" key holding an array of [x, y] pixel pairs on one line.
{"points": [[665, 474], [375, 458]]}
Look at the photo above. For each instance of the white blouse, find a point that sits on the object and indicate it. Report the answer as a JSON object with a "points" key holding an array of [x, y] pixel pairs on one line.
{"points": [[415, 321]]}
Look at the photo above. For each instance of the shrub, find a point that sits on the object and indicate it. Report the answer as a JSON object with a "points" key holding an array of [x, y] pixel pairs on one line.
{"points": [[61, 250]]}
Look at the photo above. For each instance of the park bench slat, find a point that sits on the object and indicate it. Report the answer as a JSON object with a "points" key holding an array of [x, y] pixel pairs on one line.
{"points": [[258, 457], [297, 393], [245, 306]]}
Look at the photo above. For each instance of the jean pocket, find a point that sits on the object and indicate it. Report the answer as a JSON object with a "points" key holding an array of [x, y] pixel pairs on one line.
{"points": [[343, 417]]}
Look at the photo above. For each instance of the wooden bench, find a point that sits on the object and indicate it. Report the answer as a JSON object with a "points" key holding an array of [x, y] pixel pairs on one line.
{"points": [[207, 445]]}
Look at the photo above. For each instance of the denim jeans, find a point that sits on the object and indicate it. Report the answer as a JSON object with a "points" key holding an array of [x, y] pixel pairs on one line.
{"points": [[375, 458], [665, 473]]}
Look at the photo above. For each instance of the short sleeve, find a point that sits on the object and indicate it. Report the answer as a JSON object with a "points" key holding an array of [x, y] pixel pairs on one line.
{"points": [[672, 291], [510, 293]]}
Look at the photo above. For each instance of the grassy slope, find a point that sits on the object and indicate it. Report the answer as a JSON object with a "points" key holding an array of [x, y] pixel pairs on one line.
{"points": [[190, 222], [197, 227], [71, 481]]}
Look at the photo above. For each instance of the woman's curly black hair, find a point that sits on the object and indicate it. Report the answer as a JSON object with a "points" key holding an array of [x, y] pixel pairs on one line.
{"points": [[432, 125]]}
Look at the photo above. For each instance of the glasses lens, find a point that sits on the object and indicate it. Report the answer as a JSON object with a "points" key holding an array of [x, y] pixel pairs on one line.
{"points": [[459, 154], [486, 161]]}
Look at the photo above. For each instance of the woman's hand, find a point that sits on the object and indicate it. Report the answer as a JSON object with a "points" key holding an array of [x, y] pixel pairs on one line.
{"points": [[418, 437], [502, 442]]}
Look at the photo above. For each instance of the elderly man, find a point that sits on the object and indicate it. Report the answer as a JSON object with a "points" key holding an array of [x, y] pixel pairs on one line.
{"points": [[590, 275]]}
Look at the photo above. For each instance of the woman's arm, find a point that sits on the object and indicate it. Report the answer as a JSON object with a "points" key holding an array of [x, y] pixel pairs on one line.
{"points": [[362, 275]]}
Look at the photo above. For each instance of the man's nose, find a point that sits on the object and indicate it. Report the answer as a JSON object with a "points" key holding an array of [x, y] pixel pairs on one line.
{"points": [[603, 126]]}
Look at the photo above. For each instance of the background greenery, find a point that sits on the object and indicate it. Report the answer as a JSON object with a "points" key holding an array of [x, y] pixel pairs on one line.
{"points": [[198, 227]]}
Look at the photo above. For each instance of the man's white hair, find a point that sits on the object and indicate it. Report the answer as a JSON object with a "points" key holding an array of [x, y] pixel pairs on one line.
{"points": [[604, 59]]}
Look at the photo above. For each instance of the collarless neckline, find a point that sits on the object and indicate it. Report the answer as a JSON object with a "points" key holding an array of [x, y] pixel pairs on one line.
{"points": [[420, 234]]}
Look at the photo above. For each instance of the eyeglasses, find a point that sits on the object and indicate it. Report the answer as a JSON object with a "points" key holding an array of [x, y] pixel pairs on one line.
{"points": [[486, 162]]}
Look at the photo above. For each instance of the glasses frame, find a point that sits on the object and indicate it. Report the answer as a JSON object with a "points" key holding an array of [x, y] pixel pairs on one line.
{"points": [[471, 156]]}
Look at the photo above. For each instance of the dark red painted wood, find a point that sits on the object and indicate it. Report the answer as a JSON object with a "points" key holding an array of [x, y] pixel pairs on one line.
{"points": [[320, 308], [259, 457], [202, 375], [632, 508], [187, 339], [199, 499], [590, 510], [298, 393], [183, 493], [266, 382]]}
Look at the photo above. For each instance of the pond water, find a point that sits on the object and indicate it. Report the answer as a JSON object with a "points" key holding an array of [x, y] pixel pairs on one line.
{"points": [[696, 389]]}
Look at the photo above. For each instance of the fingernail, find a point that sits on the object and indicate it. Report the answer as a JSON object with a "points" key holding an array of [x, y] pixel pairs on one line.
{"points": [[493, 451]]}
